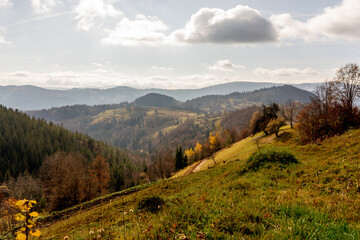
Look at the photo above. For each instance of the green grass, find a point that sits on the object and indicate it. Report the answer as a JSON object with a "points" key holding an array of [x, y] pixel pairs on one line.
{"points": [[318, 198]]}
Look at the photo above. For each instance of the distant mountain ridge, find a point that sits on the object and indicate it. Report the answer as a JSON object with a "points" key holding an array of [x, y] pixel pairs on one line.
{"points": [[238, 100], [29, 97]]}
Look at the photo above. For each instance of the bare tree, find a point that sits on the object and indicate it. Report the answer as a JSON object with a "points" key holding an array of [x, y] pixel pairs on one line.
{"points": [[288, 111], [326, 96], [348, 81]]}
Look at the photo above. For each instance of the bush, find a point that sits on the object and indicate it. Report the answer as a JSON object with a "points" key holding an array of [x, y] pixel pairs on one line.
{"points": [[151, 204], [270, 155], [274, 126]]}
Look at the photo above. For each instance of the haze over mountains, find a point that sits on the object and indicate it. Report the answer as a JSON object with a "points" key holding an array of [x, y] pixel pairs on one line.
{"points": [[35, 98], [157, 120]]}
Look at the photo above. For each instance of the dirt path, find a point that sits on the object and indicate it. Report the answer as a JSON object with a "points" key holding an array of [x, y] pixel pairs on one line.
{"points": [[192, 169], [198, 166]]}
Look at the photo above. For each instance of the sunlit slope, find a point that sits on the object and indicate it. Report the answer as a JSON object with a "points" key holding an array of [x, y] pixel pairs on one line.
{"points": [[319, 198]]}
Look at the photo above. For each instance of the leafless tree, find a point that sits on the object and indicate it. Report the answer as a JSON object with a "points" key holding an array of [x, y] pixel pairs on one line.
{"points": [[348, 89], [326, 95], [348, 82]]}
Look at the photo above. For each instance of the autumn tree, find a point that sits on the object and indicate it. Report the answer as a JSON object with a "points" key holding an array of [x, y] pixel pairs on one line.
{"points": [[322, 117], [66, 180], [190, 154], [260, 120], [100, 171], [274, 126], [198, 150]]}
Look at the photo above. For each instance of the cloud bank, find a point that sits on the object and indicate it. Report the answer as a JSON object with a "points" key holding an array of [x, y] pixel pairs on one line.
{"points": [[285, 73], [337, 22], [5, 3], [225, 66], [144, 30], [241, 24], [90, 12]]}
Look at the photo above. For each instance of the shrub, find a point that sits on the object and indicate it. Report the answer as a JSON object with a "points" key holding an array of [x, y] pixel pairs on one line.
{"points": [[151, 204], [270, 155], [274, 126]]}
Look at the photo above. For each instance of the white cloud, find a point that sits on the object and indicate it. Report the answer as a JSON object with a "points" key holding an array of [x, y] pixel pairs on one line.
{"points": [[43, 6], [225, 66], [162, 68], [285, 73], [337, 22], [90, 11], [3, 40], [5, 3], [241, 24], [97, 64], [144, 30]]}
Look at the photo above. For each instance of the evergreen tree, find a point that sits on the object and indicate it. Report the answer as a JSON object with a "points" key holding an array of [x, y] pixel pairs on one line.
{"points": [[180, 159]]}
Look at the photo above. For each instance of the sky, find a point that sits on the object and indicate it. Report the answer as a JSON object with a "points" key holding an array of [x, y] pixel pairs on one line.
{"points": [[174, 44]]}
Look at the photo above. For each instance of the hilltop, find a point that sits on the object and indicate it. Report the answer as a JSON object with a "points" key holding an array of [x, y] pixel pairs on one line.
{"points": [[156, 100], [316, 198]]}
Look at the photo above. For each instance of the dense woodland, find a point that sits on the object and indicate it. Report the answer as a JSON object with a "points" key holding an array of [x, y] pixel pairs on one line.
{"points": [[27, 143]]}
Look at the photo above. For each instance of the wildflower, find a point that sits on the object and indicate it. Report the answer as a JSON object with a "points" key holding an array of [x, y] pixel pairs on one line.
{"points": [[100, 230], [98, 236], [66, 237], [182, 236], [131, 210], [91, 232], [125, 213]]}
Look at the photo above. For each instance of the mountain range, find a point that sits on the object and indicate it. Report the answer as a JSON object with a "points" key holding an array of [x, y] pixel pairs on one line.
{"points": [[29, 97]]}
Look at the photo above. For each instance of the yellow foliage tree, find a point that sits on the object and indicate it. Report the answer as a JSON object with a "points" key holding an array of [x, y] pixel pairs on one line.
{"points": [[198, 151], [215, 141], [28, 218], [189, 153]]}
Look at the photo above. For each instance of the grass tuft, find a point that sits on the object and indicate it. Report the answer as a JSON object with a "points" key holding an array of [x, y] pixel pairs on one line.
{"points": [[270, 155], [151, 204]]}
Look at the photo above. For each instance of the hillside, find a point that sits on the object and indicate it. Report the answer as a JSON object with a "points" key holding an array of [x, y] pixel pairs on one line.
{"points": [[318, 198], [36, 98], [26, 142]]}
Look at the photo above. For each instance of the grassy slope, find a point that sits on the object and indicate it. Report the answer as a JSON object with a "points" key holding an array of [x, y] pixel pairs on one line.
{"points": [[123, 114], [318, 198]]}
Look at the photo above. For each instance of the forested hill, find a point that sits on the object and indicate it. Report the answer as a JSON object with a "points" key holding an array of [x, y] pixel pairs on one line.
{"points": [[25, 143], [156, 100], [237, 100]]}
